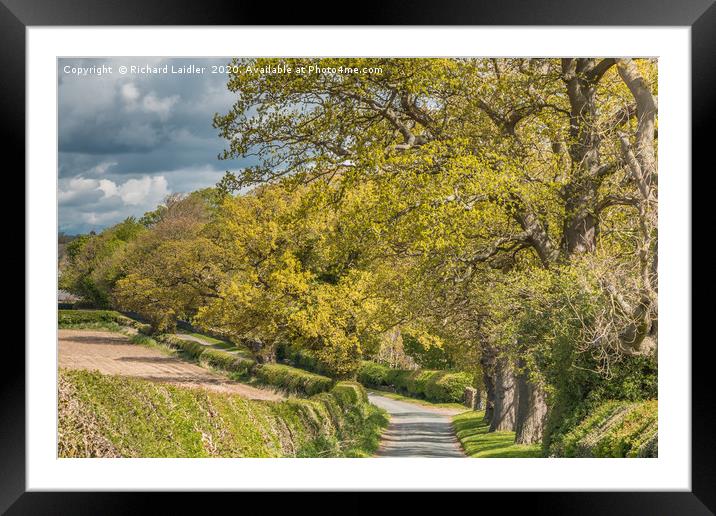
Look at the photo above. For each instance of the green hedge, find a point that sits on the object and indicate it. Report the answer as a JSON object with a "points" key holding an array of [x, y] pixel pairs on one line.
{"points": [[417, 381], [398, 378], [372, 374], [75, 318], [192, 348], [292, 379], [613, 429], [171, 421], [349, 393], [227, 361], [435, 386], [304, 359], [447, 387]]}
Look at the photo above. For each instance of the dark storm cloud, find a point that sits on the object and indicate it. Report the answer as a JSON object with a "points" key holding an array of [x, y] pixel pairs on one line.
{"points": [[125, 140]]}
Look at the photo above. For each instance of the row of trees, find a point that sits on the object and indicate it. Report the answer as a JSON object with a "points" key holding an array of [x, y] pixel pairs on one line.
{"points": [[502, 210]]}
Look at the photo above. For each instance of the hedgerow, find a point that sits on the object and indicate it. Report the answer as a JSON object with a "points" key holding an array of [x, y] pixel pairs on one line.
{"points": [[446, 387], [171, 421], [227, 361], [190, 347], [304, 359], [292, 379], [436, 386], [73, 317], [372, 374], [576, 392], [109, 319], [614, 429]]}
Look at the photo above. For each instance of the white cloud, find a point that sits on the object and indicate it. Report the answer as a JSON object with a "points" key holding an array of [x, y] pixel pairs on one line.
{"points": [[109, 188], [159, 105], [130, 93], [151, 103], [147, 190], [76, 187], [101, 168], [87, 204]]}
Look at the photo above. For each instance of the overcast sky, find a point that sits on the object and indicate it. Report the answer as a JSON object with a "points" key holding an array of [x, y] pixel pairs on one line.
{"points": [[128, 140]]}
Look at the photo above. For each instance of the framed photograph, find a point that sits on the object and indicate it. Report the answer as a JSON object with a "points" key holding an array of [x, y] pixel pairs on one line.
{"points": [[360, 257]]}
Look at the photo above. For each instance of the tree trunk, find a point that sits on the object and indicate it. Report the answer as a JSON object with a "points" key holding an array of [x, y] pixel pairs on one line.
{"points": [[581, 224], [531, 412], [487, 360], [503, 417], [640, 336]]}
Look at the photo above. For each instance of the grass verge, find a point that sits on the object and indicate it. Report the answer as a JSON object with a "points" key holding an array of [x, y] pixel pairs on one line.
{"points": [[472, 431], [613, 429], [217, 343], [115, 416]]}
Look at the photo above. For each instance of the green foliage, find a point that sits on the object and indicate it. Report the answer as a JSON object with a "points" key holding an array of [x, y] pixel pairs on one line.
{"points": [[577, 389], [67, 318], [292, 379], [166, 271], [171, 341], [415, 382], [613, 429], [487, 194], [142, 340], [349, 394], [432, 357], [239, 362], [95, 262], [434, 386], [305, 359], [227, 361], [169, 421], [279, 275], [99, 319], [399, 378], [191, 348], [548, 321], [472, 431], [447, 387], [372, 374]]}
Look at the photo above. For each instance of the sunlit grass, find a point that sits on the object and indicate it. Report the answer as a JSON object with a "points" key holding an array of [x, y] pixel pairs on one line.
{"points": [[472, 431], [117, 416], [210, 340], [216, 343]]}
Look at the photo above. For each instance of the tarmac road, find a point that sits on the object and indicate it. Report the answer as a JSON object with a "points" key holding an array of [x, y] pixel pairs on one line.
{"points": [[416, 431]]}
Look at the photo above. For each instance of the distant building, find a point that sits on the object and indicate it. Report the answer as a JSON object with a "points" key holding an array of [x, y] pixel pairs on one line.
{"points": [[65, 297]]}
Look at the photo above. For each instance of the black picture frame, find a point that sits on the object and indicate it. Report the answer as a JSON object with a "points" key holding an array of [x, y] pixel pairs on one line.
{"points": [[700, 15]]}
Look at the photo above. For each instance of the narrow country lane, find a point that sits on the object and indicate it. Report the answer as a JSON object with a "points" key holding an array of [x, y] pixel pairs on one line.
{"points": [[416, 431]]}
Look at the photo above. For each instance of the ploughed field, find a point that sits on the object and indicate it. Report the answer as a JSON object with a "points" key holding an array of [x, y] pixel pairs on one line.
{"points": [[112, 353]]}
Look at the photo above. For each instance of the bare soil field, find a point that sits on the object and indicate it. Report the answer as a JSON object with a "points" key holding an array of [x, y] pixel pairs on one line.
{"points": [[112, 353]]}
